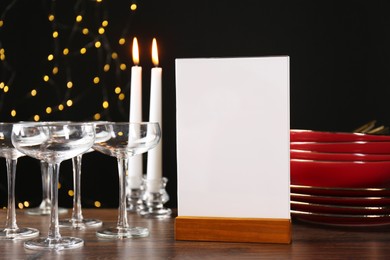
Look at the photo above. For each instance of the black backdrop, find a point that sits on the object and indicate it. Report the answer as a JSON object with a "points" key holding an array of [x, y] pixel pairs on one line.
{"points": [[339, 53]]}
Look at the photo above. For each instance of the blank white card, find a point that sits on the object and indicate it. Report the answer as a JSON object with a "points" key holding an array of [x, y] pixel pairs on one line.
{"points": [[233, 137]]}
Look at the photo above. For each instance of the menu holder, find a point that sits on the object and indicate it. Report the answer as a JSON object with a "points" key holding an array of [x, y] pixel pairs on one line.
{"points": [[233, 229], [233, 149]]}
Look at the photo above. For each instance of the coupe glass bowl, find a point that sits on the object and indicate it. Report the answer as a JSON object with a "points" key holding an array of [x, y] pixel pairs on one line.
{"points": [[126, 140], [53, 143]]}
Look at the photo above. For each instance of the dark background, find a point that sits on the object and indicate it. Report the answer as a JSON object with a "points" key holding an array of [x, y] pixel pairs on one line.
{"points": [[339, 53]]}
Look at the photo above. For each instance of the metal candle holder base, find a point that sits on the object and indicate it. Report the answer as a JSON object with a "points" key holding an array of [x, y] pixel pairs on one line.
{"points": [[153, 202]]}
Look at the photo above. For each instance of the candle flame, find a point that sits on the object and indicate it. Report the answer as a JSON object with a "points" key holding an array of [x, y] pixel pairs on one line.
{"points": [[154, 52], [135, 51]]}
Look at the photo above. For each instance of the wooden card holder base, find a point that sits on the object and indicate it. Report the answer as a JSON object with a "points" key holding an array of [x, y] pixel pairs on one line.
{"points": [[256, 230]]}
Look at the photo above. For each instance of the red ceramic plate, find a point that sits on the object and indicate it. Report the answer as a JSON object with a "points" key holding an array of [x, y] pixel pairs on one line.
{"points": [[339, 191], [309, 155], [340, 174], [343, 147], [341, 200], [341, 219], [320, 136], [338, 209]]}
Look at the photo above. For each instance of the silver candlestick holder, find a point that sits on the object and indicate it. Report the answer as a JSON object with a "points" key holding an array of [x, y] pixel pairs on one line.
{"points": [[153, 201]]}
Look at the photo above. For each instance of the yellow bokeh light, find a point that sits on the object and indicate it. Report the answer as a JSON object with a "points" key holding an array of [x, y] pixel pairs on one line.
{"points": [[26, 204], [48, 110], [120, 133], [60, 107], [97, 116], [5, 89], [69, 84], [83, 50], [114, 55], [1, 23], [36, 118], [70, 193], [97, 204], [65, 51], [20, 205], [96, 80], [50, 57], [55, 34], [46, 78], [122, 66], [85, 31], [2, 85], [122, 41], [133, 7], [105, 104], [121, 96], [79, 18], [101, 30], [13, 112], [98, 44], [34, 92], [59, 185], [51, 17], [55, 70], [69, 102], [99, 1], [106, 67], [117, 90], [105, 23]]}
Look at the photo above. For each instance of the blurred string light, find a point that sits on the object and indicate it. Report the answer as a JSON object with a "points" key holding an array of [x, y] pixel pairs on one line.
{"points": [[133, 6], [8, 73], [91, 26], [86, 39]]}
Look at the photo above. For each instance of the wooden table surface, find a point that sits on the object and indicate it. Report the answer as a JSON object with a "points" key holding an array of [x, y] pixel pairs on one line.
{"points": [[309, 242]]}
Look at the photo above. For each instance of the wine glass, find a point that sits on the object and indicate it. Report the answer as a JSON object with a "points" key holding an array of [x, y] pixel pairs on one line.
{"points": [[44, 207], [77, 221], [53, 143], [11, 155], [127, 139]]}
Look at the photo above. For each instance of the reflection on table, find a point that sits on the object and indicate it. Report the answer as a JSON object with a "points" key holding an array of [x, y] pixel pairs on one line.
{"points": [[309, 242]]}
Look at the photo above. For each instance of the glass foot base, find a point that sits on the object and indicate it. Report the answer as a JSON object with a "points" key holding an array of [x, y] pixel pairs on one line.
{"points": [[19, 233], [83, 224], [116, 232], [155, 213], [44, 243], [44, 211]]}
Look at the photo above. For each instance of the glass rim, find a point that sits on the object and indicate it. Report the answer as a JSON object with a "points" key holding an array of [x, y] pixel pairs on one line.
{"points": [[132, 123], [52, 123]]}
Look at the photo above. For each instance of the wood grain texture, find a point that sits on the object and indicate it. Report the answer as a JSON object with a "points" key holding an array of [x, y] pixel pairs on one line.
{"points": [[233, 229], [309, 241]]}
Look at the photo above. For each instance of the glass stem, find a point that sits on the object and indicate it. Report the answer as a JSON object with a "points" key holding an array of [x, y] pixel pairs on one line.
{"points": [[11, 211], [77, 213], [122, 216], [45, 185], [54, 229]]}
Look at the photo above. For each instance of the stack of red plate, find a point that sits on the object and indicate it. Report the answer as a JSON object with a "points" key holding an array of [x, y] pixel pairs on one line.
{"points": [[340, 178]]}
